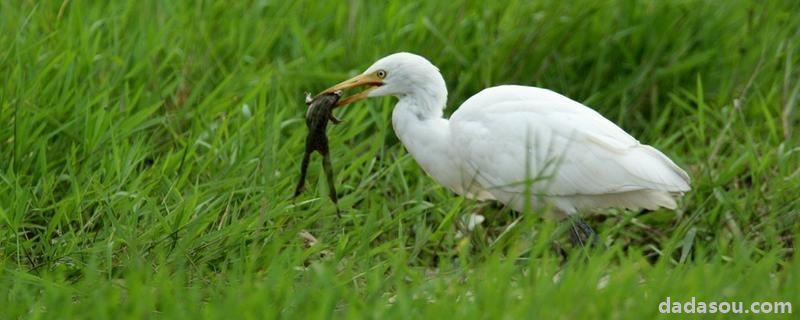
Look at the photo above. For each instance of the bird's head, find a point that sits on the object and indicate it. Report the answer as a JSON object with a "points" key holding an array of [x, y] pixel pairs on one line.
{"points": [[398, 74]]}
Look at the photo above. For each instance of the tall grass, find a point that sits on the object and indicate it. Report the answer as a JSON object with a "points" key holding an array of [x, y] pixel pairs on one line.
{"points": [[149, 150]]}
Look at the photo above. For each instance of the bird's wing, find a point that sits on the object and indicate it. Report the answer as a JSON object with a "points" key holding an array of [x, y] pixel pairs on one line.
{"points": [[569, 148]]}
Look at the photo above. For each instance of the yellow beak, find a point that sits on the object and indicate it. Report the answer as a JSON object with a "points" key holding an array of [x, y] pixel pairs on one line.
{"points": [[371, 81]]}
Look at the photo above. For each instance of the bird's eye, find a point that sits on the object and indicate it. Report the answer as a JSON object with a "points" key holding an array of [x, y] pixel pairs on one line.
{"points": [[381, 74]]}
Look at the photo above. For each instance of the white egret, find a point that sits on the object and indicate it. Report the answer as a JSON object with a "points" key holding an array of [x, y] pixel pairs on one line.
{"points": [[519, 144]]}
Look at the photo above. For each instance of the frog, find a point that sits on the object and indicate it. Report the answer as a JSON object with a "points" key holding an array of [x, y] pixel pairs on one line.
{"points": [[318, 115]]}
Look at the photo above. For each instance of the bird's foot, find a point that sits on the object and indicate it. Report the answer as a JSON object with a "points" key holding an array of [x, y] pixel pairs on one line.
{"points": [[581, 233]]}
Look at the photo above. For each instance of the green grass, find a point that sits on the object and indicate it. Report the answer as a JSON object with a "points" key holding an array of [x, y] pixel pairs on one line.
{"points": [[132, 184]]}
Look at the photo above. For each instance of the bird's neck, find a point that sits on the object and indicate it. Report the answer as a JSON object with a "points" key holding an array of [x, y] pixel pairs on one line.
{"points": [[418, 116], [427, 102], [417, 120]]}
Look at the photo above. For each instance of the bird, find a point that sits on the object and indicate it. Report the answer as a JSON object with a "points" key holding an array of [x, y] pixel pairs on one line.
{"points": [[524, 146]]}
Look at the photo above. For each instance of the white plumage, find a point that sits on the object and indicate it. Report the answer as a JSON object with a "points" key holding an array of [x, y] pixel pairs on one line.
{"points": [[510, 143]]}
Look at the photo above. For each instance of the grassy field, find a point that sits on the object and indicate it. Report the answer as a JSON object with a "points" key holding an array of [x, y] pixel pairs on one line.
{"points": [[149, 151]]}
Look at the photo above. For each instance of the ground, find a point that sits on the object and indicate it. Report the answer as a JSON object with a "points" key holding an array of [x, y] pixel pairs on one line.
{"points": [[149, 151]]}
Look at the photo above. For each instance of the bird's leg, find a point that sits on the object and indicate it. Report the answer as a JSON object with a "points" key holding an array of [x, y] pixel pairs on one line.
{"points": [[326, 165], [334, 119], [578, 227]]}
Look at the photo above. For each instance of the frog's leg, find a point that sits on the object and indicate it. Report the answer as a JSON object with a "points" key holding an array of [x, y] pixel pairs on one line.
{"points": [[303, 170], [326, 165]]}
